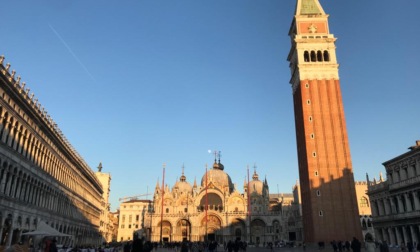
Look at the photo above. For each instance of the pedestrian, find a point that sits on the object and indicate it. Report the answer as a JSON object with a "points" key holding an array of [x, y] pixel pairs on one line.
{"points": [[356, 246], [370, 246], [403, 247], [384, 247], [184, 246], [53, 246]]}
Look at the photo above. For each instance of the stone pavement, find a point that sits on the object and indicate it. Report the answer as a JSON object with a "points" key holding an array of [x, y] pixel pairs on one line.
{"points": [[285, 249]]}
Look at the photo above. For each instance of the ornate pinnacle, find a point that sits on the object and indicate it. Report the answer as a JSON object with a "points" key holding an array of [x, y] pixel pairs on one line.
{"points": [[1, 59]]}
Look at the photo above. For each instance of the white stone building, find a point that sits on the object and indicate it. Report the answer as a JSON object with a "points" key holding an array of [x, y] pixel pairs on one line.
{"points": [[42, 177], [395, 202]]}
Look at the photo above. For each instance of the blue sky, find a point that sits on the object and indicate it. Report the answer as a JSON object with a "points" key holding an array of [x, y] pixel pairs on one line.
{"points": [[135, 84]]}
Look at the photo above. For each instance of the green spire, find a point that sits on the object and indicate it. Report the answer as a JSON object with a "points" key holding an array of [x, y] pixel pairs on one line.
{"points": [[310, 7]]}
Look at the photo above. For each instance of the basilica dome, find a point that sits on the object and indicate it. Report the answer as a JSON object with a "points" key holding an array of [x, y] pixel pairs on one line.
{"points": [[182, 185], [218, 177], [256, 186]]}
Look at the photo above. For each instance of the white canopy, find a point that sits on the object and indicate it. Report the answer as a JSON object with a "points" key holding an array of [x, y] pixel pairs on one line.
{"points": [[43, 229]]}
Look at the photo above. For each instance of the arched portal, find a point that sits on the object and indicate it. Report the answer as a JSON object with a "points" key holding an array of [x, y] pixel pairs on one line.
{"points": [[212, 228], [166, 231], [258, 231], [183, 230], [238, 230]]}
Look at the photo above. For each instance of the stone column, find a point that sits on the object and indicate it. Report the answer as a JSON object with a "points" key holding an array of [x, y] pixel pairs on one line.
{"points": [[1, 227], [9, 184], [418, 166], [400, 204], [380, 207], [384, 235], [10, 233], [374, 208], [406, 238], [391, 235], [13, 186], [393, 207], [3, 181], [387, 206], [378, 233], [407, 202], [399, 235], [413, 235], [416, 200]]}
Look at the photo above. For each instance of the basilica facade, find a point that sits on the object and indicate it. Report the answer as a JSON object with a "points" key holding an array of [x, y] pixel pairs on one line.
{"points": [[216, 210]]}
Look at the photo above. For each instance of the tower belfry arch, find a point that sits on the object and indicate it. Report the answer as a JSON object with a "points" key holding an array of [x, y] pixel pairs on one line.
{"points": [[329, 204]]}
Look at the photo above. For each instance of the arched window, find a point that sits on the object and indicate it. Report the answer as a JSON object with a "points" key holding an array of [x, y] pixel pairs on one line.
{"points": [[326, 56], [364, 202], [306, 56], [319, 56], [313, 56]]}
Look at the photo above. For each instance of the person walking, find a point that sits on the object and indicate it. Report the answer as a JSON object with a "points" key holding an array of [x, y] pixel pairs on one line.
{"points": [[370, 246], [356, 246]]}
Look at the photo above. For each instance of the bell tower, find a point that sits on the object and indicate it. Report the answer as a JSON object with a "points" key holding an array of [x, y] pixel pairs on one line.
{"points": [[329, 204]]}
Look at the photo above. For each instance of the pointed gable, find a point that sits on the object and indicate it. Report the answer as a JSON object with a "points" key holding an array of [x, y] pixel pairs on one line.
{"points": [[309, 7]]}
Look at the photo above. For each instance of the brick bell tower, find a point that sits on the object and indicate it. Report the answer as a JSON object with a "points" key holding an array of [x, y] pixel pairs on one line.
{"points": [[329, 203]]}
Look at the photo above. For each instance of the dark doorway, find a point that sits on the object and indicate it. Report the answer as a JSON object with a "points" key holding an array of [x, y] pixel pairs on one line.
{"points": [[292, 236], [211, 237]]}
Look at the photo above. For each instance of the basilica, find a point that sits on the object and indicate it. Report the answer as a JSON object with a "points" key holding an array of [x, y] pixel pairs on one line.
{"points": [[216, 210]]}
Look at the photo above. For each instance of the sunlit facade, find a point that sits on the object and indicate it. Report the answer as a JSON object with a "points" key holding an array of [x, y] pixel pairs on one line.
{"points": [[216, 210], [42, 177]]}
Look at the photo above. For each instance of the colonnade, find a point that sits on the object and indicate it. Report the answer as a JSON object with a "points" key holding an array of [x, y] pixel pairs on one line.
{"points": [[397, 204], [42, 177], [397, 235]]}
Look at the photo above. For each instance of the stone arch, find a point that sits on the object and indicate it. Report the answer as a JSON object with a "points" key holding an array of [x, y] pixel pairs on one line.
{"points": [[326, 56], [213, 222], [319, 56], [306, 56], [167, 229], [183, 228], [257, 230], [214, 202], [238, 228]]}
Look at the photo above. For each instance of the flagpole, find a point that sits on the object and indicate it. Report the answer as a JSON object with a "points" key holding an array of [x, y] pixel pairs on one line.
{"points": [[161, 211], [207, 205], [249, 206]]}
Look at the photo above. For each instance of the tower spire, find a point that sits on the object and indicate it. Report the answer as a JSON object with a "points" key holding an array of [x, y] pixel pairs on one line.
{"points": [[183, 178], [309, 7]]}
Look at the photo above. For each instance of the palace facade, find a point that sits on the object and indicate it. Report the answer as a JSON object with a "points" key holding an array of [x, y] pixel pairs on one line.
{"points": [[42, 177], [395, 201]]}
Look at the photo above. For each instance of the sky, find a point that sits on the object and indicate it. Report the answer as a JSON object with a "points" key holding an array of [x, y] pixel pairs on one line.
{"points": [[135, 84]]}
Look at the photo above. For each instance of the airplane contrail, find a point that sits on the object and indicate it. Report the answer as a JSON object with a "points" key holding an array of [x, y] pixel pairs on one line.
{"points": [[71, 52]]}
